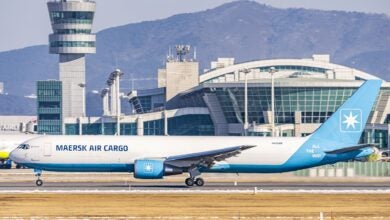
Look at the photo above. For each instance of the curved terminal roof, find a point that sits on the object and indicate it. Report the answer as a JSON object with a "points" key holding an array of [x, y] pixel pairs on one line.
{"points": [[287, 68]]}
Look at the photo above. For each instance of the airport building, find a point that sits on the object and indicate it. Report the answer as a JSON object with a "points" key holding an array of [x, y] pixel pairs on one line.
{"points": [[306, 93], [16, 124], [72, 39], [49, 102], [71, 21]]}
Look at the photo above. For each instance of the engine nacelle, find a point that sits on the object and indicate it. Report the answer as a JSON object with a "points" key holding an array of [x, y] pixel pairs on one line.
{"points": [[154, 169]]}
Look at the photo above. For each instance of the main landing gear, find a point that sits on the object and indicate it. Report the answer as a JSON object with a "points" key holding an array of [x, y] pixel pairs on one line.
{"points": [[198, 181], [192, 180], [38, 174]]}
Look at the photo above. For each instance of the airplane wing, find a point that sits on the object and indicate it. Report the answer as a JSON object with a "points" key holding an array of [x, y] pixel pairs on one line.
{"points": [[206, 158], [349, 149]]}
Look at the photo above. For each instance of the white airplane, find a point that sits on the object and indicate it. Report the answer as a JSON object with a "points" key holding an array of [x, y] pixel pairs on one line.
{"points": [[154, 157], [9, 142]]}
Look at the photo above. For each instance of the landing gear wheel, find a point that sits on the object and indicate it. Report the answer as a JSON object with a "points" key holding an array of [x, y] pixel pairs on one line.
{"points": [[39, 182], [189, 182], [199, 182]]}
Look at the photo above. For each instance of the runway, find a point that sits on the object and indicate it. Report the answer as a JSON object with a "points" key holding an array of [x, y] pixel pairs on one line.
{"points": [[211, 187], [23, 181]]}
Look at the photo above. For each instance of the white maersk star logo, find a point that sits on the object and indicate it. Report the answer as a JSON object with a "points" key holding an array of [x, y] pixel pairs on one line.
{"points": [[148, 168], [351, 120]]}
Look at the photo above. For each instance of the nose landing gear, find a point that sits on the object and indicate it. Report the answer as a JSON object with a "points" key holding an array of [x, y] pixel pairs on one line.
{"points": [[39, 182], [38, 174]]}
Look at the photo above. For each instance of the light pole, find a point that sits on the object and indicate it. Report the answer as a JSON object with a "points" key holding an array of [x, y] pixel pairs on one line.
{"points": [[246, 124], [272, 70], [82, 86], [118, 103]]}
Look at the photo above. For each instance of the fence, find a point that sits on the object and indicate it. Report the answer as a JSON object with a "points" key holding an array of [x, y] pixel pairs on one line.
{"points": [[348, 169]]}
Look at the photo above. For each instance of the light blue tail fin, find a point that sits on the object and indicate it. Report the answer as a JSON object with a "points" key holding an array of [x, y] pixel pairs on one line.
{"points": [[344, 128]]}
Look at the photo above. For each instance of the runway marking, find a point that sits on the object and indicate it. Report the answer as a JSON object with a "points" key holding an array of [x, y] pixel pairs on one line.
{"points": [[189, 191], [192, 217]]}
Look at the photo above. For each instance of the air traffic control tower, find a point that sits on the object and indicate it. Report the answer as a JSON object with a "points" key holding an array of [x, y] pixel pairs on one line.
{"points": [[71, 21]]}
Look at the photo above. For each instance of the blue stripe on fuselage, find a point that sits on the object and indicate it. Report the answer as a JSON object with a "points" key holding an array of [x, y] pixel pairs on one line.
{"points": [[65, 167]]}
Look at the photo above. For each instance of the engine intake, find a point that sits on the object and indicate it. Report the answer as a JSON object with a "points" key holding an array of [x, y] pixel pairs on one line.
{"points": [[154, 169]]}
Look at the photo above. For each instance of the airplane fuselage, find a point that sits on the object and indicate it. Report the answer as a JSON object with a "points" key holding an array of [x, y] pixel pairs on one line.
{"points": [[118, 153]]}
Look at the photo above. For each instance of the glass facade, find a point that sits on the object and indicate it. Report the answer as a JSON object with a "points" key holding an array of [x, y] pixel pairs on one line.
{"points": [[109, 128], [97, 129], [146, 103], [188, 125], [72, 44], [299, 70], [387, 120], [148, 100], [71, 129], [49, 103], [293, 68], [315, 104], [91, 129], [129, 129], [155, 127], [71, 17], [181, 125], [72, 31], [378, 137], [191, 125]]}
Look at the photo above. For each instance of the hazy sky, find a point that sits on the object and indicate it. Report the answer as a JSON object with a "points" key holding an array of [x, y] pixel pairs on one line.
{"points": [[26, 22]]}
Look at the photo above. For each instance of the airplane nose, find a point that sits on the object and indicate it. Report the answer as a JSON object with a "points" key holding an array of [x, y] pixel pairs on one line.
{"points": [[16, 156]]}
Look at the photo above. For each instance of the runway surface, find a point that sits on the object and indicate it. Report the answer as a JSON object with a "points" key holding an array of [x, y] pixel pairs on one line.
{"points": [[168, 187], [23, 181]]}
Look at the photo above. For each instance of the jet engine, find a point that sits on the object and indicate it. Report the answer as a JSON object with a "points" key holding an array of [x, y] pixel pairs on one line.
{"points": [[154, 168]]}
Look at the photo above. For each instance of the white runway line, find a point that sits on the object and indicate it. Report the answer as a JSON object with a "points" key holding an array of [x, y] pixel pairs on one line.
{"points": [[189, 191]]}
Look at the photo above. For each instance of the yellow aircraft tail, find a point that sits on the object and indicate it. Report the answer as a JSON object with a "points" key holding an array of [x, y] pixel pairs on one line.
{"points": [[4, 155]]}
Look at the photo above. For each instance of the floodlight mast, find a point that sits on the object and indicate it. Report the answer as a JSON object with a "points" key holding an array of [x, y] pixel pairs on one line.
{"points": [[114, 88], [104, 95]]}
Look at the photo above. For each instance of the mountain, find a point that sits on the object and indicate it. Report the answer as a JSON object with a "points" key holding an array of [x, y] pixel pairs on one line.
{"points": [[17, 105], [245, 30]]}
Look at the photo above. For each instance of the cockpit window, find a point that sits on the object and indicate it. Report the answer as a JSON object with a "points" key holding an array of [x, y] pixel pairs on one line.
{"points": [[24, 146]]}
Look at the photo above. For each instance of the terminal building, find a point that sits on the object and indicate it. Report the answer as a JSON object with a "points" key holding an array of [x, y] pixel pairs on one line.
{"points": [[306, 93], [229, 99]]}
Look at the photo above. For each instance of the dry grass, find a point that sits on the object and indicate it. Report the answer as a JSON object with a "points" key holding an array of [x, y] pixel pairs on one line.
{"points": [[179, 205]]}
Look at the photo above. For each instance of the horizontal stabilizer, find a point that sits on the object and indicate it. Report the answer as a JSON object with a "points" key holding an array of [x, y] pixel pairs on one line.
{"points": [[350, 149]]}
